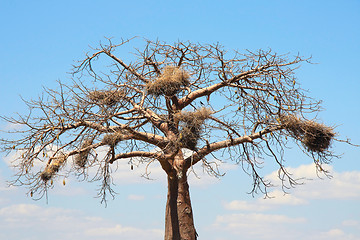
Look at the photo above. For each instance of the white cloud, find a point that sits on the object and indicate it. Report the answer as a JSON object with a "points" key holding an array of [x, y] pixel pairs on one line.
{"points": [[43, 223], [278, 198], [199, 177], [23, 210], [139, 174], [136, 197], [244, 206], [246, 224], [257, 226], [351, 223], [342, 185], [122, 232], [333, 234], [345, 185], [11, 127]]}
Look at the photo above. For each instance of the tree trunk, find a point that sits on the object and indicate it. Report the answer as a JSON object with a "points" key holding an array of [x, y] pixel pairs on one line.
{"points": [[179, 222]]}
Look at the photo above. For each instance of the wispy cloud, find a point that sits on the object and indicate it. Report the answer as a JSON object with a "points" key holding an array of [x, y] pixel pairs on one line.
{"points": [[253, 226], [38, 222], [122, 232], [11, 127], [342, 185], [256, 225], [136, 197], [333, 234], [277, 199], [253, 219]]}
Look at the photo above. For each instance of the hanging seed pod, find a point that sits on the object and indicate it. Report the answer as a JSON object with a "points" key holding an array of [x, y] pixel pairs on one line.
{"points": [[64, 182]]}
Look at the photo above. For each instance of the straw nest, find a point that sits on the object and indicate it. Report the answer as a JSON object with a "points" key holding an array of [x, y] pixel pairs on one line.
{"points": [[52, 168], [82, 158], [169, 83], [110, 97], [191, 126], [112, 139], [315, 136]]}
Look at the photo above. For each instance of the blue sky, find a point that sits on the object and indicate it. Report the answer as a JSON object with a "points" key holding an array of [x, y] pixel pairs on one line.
{"points": [[42, 39]]}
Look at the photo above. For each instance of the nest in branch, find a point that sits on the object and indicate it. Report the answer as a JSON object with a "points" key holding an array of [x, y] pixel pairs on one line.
{"points": [[52, 168], [315, 136], [192, 125], [169, 83], [110, 97], [112, 139], [82, 158]]}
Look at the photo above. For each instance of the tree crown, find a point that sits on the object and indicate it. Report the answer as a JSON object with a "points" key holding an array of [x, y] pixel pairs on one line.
{"points": [[166, 98]]}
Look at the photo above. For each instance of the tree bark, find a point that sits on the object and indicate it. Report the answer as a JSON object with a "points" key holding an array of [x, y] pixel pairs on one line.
{"points": [[179, 222]]}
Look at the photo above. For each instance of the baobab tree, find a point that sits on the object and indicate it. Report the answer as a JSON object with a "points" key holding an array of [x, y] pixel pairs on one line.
{"points": [[175, 104]]}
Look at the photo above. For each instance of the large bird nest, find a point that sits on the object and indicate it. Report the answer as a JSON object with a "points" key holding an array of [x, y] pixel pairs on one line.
{"points": [[106, 97], [169, 83], [82, 158], [191, 126], [315, 136], [52, 168]]}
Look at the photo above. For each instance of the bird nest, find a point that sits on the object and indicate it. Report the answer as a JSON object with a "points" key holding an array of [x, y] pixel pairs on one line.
{"points": [[82, 158], [315, 136], [169, 83], [109, 98], [112, 139], [52, 168], [191, 126]]}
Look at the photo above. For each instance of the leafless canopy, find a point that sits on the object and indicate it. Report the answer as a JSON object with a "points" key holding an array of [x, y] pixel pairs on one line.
{"points": [[161, 99]]}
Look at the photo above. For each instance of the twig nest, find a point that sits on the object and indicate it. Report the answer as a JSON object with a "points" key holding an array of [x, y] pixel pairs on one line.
{"points": [[169, 83], [315, 136], [112, 139], [52, 168], [82, 158], [192, 125], [110, 97]]}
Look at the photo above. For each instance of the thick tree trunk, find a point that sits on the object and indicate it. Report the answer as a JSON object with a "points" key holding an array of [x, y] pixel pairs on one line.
{"points": [[179, 222]]}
